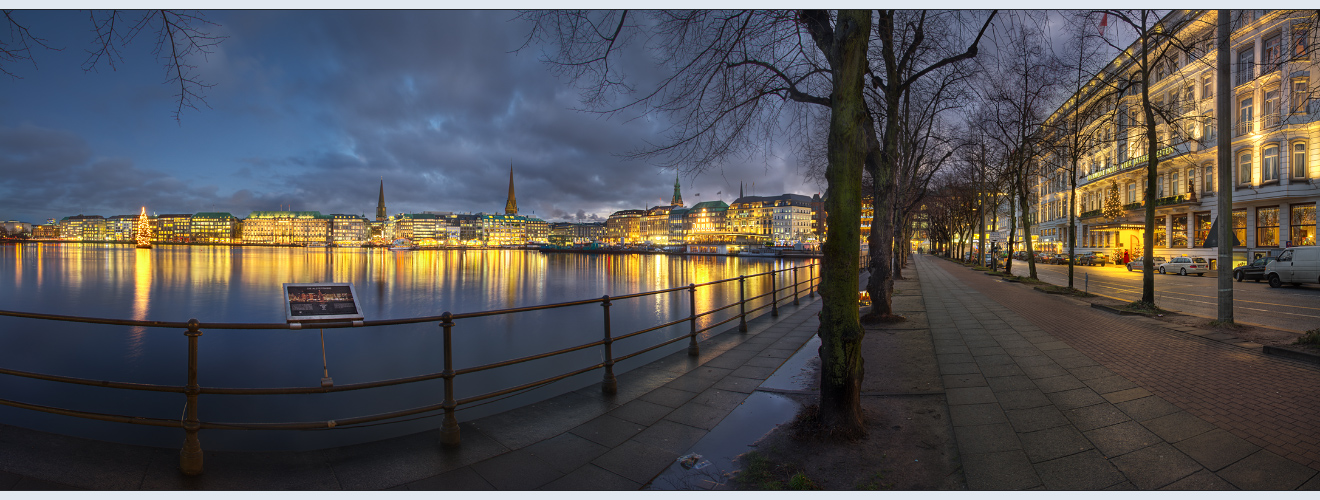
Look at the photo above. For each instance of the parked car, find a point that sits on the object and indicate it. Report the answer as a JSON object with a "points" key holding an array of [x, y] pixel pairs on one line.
{"points": [[1061, 259], [1093, 259], [1185, 265], [1042, 258], [1252, 271], [1135, 265], [1295, 265]]}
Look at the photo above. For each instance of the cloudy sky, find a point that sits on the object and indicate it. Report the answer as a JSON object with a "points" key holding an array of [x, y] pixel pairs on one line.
{"points": [[310, 109]]}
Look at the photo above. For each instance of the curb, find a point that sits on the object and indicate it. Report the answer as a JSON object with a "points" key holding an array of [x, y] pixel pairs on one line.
{"points": [[1114, 311], [1292, 353]]}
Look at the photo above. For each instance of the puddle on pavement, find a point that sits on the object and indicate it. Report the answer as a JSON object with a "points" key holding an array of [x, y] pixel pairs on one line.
{"points": [[745, 425]]}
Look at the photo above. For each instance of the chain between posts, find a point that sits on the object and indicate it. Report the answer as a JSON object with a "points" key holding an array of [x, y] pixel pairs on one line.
{"points": [[610, 385], [449, 434], [190, 457], [693, 350]]}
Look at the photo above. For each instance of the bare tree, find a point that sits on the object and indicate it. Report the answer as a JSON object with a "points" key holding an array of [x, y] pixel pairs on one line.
{"points": [[179, 38], [729, 77]]}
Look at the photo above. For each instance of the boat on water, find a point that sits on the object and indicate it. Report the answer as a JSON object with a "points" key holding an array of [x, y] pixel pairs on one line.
{"points": [[317, 244]]}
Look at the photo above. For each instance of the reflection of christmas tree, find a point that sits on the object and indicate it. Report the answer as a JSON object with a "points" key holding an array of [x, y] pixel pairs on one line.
{"points": [[1113, 208], [143, 230]]}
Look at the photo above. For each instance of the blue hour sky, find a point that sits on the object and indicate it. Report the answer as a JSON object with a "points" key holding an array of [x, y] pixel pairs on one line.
{"points": [[310, 109]]}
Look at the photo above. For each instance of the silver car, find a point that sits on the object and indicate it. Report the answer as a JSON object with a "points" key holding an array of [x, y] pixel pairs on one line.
{"points": [[1136, 264], [1186, 265]]}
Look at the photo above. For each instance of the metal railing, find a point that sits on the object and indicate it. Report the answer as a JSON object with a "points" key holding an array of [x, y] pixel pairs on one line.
{"points": [[190, 457]]}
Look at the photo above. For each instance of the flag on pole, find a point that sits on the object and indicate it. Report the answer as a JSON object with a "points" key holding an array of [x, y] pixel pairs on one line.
{"points": [[1104, 21], [721, 192]]}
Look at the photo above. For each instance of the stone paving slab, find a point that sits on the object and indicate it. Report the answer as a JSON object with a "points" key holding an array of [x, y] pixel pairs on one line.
{"points": [[1078, 420]]}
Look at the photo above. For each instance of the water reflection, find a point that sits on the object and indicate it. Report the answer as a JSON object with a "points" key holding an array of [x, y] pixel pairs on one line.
{"points": [[223, 284]]}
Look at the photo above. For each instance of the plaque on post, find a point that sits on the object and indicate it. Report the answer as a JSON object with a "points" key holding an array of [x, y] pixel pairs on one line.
{"points": [[320, 302]]}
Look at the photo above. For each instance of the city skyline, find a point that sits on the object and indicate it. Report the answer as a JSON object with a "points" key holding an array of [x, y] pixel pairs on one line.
{"points": [[309, 108]]}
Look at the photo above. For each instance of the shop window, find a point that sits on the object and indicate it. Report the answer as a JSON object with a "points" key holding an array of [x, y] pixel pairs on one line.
{"points": [[1179, 237], [1240, 225], [1203, 223], [1160, 240], [1267, 226], [1302, 222]]}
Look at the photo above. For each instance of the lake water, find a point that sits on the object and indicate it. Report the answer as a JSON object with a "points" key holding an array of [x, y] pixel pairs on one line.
{"points": [[223, 284]]}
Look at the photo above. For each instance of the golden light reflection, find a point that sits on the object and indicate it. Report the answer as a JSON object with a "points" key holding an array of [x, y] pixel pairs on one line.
{"points": [[141, 300]]}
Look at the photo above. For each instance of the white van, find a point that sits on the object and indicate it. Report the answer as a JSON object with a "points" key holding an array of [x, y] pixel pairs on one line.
{"points": [[1295, 265]]}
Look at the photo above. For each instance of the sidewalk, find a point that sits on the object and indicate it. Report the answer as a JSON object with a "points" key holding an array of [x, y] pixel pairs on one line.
{"points": [[1045, 393], [581, 440]]}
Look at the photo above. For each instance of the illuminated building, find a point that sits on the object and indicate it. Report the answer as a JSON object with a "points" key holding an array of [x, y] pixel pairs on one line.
{"points": [[13, 227], [538, 231], [418, 227], [46, 232], [215, 227], [82, 228], [678, 227], [173, 228], [348, 230], [707, 223], [624, 227], [284, 227], [501, 230], [121, 228], [655, 225], [1275, 142], [567, 233]]}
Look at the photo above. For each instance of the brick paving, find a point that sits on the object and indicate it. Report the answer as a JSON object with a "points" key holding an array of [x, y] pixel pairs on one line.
{"points": [[1045, 392]]}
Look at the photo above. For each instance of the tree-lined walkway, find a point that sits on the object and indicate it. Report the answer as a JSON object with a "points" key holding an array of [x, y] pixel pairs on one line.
{"points": [[1046, 392]]}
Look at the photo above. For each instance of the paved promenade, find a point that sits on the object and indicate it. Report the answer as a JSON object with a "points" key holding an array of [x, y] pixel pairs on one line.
{"points": [[581, 440], [1045, 392]]}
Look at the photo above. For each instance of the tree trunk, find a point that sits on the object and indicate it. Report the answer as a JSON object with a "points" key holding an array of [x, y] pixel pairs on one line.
{"points": [[1024, 202], [1152, 163], [840, 331]]}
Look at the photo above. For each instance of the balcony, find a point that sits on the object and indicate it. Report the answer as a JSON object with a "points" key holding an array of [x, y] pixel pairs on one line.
{"points": [[1089, 213], [1245, 127], [1271, 120], [1172, 200]]}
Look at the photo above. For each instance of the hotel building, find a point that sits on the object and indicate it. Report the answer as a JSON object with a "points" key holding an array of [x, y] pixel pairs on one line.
{"points": [[1275, 140]]}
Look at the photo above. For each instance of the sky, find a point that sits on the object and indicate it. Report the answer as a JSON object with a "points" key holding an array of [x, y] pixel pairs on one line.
{"points": [[310, 110]]}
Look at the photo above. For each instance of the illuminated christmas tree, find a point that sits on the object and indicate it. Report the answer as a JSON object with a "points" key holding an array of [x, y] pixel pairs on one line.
{"points": [[143, 230], [1113, 208]]}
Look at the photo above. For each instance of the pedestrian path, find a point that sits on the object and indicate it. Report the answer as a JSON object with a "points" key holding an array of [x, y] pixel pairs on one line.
{"points": [[1045, 393], [581, 440]]}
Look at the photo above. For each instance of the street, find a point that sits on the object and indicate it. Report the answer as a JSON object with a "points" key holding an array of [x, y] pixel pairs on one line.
{"points": [[1288, 308]]}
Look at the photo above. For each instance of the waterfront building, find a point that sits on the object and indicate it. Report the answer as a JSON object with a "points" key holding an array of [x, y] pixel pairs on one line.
{"points": [[655, 225], [818, 216], [348, 230], [678, 227], [121, 228], [172, 228], [780, 220], [706, 223], [14, 227], [1275, 141], [538, 231], [502, 230], [419, 228], [82, 228], [284, 227], [624, 227], [570, 233], [216, 228], [46, 232]]}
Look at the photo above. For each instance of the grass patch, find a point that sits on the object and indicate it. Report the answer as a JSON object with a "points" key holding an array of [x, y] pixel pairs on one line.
{"points": [[1063, 290], [800, 482], [1224, 324], [761, 473], [876, 482], [980, 268], [1140, 307], [1311, 337], [1024, 279]]}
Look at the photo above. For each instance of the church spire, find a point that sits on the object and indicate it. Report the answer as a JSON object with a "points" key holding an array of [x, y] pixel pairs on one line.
{"points": [[380, 205], [740, 192], [511, 206], [678, 197]]}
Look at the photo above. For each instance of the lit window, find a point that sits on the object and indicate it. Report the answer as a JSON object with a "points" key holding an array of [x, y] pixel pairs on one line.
{"points": [[1245, 116], [1299, 160], [1269, 165], [1244, 167], [1210, 183], [1272, 52], [1299, 95]]}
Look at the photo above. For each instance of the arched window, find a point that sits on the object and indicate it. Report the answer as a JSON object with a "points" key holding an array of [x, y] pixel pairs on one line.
{"points": [[1299, 165], [1244, 167], [1269, 164]]}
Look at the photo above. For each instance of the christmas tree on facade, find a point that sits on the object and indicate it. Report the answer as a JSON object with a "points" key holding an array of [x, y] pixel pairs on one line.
{"points": [[1113, 208]]}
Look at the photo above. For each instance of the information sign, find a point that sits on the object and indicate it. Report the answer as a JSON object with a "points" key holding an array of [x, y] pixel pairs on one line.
{"points": [[320, 302]]}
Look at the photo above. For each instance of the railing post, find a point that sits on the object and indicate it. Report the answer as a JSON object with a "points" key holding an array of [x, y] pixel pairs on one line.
{"points": [[811, 280], [190, 457], [774, 294], [610, 385], [742, 303], [449, 435], [795, 284], [693, 350]]}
